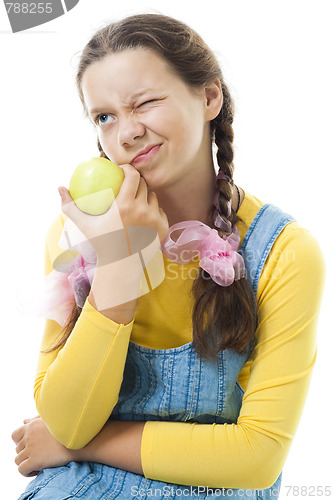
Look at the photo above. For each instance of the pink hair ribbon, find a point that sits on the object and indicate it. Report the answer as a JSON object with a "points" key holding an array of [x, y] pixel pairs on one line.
{"points": [[218, 256], [68, 283]]}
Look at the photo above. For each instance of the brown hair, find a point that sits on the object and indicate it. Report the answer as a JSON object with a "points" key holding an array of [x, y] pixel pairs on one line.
{"points": [[223, 317]]}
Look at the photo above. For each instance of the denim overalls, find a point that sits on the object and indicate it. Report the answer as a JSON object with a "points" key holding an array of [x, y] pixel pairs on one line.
{"points": [[175, 385]]}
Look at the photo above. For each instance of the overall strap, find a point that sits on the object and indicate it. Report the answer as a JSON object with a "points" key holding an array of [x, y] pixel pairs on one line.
{"points": [[259, 239]]}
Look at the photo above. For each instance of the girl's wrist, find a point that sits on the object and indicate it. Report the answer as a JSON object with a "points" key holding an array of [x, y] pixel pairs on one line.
{"points": [[116, 287], [79, 455], [118, 444]]}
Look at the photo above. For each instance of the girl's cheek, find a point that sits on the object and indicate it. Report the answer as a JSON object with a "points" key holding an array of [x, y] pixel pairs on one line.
{"points": [[106, 147], [107, 137]]}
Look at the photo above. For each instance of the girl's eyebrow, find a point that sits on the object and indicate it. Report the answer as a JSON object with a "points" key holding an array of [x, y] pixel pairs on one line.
{"points": [[96, 110], [140, 93], [134, 97]]}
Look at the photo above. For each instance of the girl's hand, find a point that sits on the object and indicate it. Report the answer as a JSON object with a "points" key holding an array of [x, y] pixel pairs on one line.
{"points": [[37, 449], [134, 206]]}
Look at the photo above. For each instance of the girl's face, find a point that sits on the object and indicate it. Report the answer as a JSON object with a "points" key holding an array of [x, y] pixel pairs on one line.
{"points": [[147, 116]]}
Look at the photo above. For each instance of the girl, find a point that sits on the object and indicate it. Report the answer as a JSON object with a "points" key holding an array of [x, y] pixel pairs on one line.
{"points": [[197, 384]]}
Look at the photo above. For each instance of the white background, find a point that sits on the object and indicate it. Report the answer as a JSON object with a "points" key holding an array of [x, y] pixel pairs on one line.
{"points": [[277, 60]]}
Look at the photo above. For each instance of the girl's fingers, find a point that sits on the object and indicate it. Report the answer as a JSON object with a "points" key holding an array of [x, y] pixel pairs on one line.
{"points": [[68, 206], [20, 457], [64, 194], [142, 190], [20, 447], [131, 183], [25, 469], [18, 434]]}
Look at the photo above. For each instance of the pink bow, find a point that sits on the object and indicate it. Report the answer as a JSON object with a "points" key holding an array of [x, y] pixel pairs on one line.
{"points": [[64, 286], [218, 256]]}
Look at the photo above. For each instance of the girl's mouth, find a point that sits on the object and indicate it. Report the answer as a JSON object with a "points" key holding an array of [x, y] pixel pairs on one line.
{"points": [[146, 154]]}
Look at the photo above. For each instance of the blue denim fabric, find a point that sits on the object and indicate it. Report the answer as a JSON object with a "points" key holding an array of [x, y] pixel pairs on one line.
{"points": [[174, 385], [259, 239]]}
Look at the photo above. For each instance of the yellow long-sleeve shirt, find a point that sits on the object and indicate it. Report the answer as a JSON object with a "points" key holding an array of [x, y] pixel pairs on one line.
{"points": [[74, 395]]}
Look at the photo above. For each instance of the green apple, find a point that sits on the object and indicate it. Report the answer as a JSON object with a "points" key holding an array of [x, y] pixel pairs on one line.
{"points": [[94, 185]]}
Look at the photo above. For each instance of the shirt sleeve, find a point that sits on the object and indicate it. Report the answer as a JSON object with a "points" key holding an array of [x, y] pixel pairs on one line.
{"points": [[73, 406], [231, 455]]}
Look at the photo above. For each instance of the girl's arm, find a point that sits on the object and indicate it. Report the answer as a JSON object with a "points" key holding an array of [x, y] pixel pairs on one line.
{"points": [[118, 445], [77, 386], [72, 389]]}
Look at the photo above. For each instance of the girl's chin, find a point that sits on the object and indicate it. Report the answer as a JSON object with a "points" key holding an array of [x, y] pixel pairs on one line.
{"points": [[152, 180], [156, 177]]}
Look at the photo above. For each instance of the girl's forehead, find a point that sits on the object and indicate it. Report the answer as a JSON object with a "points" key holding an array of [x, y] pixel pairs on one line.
{"points": [[143, 63], [128, 73]]}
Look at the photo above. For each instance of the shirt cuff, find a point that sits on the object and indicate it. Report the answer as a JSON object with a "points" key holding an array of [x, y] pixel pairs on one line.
{"points": [[100, 321]]}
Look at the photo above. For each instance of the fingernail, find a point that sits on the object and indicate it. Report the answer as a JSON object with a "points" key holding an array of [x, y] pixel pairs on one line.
{"points": [[61, 191]]}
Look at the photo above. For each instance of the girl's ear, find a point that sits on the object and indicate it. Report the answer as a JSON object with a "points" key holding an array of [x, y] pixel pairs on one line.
{"points": [[213, 99]]}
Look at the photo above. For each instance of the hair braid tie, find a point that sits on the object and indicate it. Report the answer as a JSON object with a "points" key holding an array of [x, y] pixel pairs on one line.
{"points": [[217, 204], [224, 177], [221, 223]]}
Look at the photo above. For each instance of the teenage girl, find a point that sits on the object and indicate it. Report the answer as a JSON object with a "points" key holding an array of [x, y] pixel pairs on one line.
{"points": [[196, 384]]}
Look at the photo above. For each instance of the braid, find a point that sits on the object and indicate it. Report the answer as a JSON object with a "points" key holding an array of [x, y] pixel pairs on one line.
{"points": [[224, 217], [223, 317]]}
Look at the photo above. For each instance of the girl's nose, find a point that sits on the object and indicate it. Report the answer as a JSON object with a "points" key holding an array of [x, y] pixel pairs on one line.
{"points": [[129, 130]]}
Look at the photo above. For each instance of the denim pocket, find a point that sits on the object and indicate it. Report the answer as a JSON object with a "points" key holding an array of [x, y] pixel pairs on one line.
{"points": [[40, 487]]}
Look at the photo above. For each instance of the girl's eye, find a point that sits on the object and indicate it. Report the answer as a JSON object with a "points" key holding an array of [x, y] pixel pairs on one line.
{"points": [[103, 119], [150, 101]]}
